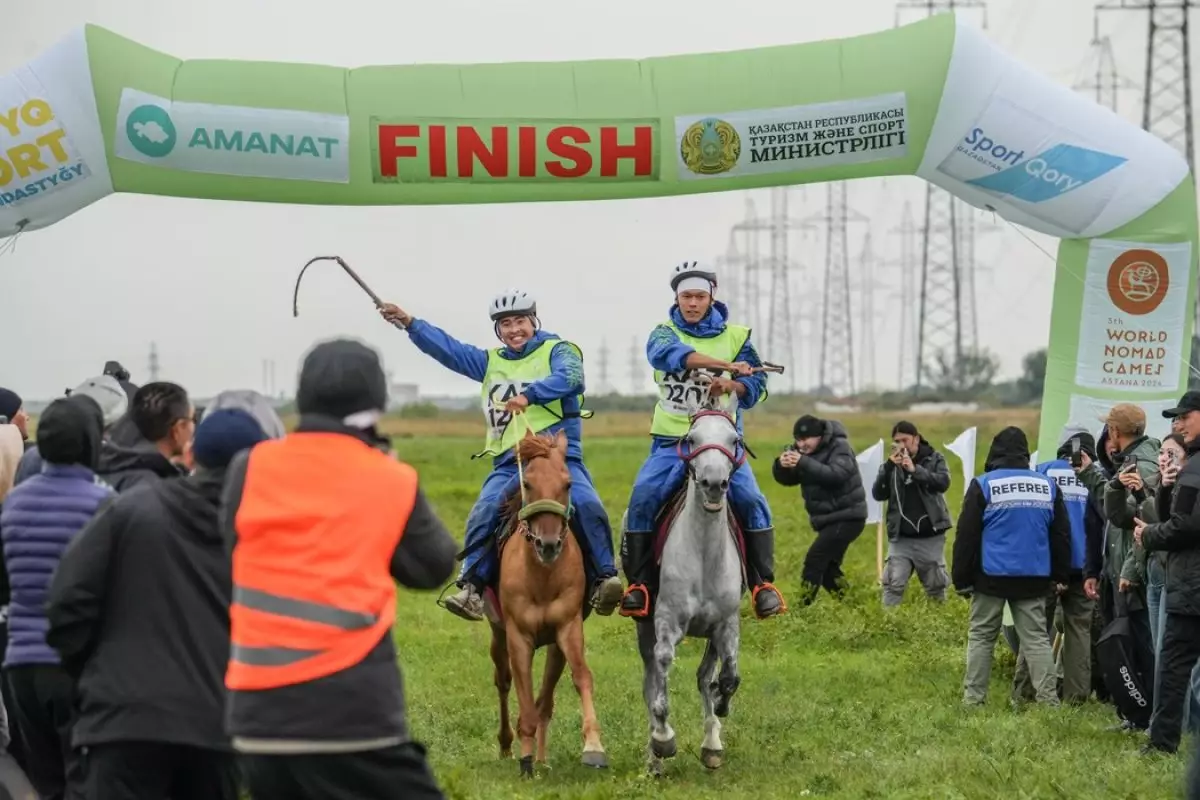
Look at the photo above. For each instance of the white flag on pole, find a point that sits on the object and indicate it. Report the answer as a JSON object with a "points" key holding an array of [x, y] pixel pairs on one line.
{"points": [[1033, 460], [964, 448], [869, 462]]}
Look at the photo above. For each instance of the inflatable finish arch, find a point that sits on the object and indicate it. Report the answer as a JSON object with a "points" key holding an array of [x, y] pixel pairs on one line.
{"points": [[98, 114]]}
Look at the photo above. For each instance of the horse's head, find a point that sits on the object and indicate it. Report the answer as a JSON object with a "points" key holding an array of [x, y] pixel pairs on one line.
{"points": [[712, 451], [545, 494]]}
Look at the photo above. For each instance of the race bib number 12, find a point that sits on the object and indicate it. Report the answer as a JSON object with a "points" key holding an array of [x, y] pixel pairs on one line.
{"points": [[493, 407]]}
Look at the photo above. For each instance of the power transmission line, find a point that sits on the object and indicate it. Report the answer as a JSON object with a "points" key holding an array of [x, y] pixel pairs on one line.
{"points": [[1167, 89], [866, 310], [152, 365], [946, 325]]}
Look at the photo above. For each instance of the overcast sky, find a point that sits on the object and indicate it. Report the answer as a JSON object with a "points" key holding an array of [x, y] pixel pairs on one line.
{"points": [[210, 282]]}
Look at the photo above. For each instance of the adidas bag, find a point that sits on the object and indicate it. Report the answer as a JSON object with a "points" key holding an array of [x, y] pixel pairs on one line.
{"points": [[1115, 654]]}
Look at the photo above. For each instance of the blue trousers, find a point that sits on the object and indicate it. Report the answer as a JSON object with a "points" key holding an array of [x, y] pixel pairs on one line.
{"points": [[663, 474], [588, 517]]}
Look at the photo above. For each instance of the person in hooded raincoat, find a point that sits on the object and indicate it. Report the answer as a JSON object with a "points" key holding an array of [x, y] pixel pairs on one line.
{"points": [[696, 336], [540, 376], [114, 405], [1012, 544]]}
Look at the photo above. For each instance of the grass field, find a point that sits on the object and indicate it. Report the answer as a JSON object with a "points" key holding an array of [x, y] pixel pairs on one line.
{"points": [[839, 700]]}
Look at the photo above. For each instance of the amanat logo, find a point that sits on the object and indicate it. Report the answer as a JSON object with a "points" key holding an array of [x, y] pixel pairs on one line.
{"points": [[418, 151], [1138, 281]]}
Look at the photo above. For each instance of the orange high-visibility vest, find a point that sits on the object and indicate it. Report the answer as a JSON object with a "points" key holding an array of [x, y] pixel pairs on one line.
{"points": [[320, 518]]}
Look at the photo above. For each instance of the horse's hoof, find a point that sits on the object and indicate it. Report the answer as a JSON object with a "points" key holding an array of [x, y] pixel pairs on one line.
{"points": [[527, 767], [712, 759], [505, 753], [654, 768], [663, 749], [595, 758]]}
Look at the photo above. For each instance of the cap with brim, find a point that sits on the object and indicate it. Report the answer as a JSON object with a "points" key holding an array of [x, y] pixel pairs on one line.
{"points": [[1189, 402]]}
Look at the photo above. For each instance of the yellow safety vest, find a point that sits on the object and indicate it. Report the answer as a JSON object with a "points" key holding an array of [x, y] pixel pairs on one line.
{"points": [[677, 392], [507, 378]]}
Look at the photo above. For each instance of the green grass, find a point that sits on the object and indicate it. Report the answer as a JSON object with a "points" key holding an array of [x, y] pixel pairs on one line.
{"points": [[840, 700]]}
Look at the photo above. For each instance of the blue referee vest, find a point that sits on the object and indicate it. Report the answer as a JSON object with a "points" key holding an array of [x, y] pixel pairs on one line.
{"points": [[1075, 498], [1019, 506]]}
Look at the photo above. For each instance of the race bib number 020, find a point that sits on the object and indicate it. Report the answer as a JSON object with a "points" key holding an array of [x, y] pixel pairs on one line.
{"points": [[679, 393], [498, 394]]}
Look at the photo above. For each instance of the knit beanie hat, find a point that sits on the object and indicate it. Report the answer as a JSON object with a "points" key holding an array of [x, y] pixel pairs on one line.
{"points": [[223, 434], [343, 379], [10, 404], [807, 426]]}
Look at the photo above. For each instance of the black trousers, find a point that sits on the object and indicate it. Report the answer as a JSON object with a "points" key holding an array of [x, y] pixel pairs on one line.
{"points": [[158, 771], [16, 745], [393, 773], [1180, 652], [823, 562], [43, 706]]}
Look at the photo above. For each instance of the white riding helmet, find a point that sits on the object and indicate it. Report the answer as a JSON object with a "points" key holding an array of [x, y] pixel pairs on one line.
{"points": [[696, 270], [512, 303]]}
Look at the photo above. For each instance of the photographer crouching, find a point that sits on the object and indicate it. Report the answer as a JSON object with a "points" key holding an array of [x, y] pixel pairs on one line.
{"points": [[822, 463], [913, 481]]}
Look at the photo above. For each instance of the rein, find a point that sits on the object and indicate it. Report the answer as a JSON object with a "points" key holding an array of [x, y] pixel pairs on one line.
{"points": [[544, 506]]}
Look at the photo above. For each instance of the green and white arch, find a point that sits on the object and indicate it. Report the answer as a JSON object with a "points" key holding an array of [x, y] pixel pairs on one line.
{"points": [[98, 114]]}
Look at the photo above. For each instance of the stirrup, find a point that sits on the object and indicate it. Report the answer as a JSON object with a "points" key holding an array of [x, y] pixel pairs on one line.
{"points": [[783, 607], [642, 612]]}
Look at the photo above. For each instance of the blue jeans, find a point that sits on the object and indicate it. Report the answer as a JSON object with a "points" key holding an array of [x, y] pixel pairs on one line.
{"points": [[663, 474], [588, 517]]}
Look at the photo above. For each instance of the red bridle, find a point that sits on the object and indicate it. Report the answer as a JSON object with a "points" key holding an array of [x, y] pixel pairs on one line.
{"points": [[687, 457]]}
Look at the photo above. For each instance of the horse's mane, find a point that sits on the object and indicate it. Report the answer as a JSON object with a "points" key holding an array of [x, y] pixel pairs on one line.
{"points": [[528, 449], [532, 447]]}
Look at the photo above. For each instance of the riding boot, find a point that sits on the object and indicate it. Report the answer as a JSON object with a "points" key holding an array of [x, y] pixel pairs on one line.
{"points": [[637, 554], [760, 554], [468, 602]]}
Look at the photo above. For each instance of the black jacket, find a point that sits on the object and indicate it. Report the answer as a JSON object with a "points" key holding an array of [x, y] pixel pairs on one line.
{"points": [[126, 467], [828, 479], [967, 567], [924, 489], [139, 611], [1179, 538], [366, 701]]}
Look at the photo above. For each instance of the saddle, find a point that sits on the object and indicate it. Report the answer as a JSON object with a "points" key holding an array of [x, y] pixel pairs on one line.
{"points": [[670, 512]]}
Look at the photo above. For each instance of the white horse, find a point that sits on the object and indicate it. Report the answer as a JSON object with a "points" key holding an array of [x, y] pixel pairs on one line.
{"points": [[699, 588]]}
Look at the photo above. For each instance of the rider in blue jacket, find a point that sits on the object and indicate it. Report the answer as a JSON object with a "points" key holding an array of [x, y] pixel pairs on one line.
{"points": [[539, 375], [696, 336]]}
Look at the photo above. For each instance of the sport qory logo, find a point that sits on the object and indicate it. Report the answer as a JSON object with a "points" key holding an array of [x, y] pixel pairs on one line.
{"points": [[151, 131], [1051, 173]]}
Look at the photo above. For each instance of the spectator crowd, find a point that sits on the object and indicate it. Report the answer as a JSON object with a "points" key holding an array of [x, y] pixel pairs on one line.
{"points": [[146, 656], [1095, 556]]}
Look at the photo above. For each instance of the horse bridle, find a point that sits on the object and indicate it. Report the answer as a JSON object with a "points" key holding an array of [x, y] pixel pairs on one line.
{"points": [[734, 457], [543, 506]]}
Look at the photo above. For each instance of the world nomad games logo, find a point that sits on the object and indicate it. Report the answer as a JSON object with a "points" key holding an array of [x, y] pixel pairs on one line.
{"points": [[1138, 281]]}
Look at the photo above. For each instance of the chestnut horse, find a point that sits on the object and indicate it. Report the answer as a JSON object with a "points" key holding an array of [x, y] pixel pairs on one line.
{"points": [[541, 598]]}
